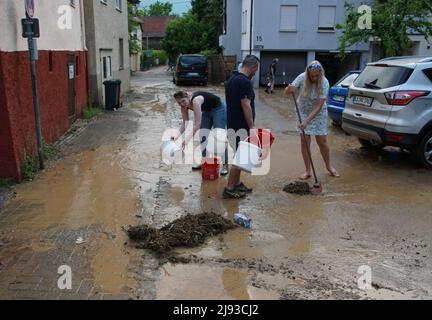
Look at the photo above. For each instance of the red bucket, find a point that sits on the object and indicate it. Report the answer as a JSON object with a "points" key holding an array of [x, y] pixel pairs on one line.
{"points": [[264, 140], [210, 169]]}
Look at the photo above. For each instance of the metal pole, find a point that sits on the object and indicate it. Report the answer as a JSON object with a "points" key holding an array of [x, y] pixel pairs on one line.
{"points": [[251, 26], [36, 101]]}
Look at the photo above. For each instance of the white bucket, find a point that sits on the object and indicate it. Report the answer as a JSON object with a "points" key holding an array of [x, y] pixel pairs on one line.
{"points": [[217, 142], [171, 152], [247, 157]]}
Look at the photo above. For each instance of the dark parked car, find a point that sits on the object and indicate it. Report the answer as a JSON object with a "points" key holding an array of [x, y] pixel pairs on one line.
{"points": [[337, 97], [191, 68]]}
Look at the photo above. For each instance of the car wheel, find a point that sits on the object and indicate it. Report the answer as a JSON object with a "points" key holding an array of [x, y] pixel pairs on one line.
{"points": [[204, 84], [336, 124], [370, 144], [424, 151]]}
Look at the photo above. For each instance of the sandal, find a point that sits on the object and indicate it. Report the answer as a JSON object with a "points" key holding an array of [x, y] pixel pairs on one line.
{"points": [[233, 194], [305, 176], [334, 173]]}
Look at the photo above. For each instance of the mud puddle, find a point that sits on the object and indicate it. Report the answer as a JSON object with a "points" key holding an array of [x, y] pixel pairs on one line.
{"points": [[298, 187], [188, 231]]}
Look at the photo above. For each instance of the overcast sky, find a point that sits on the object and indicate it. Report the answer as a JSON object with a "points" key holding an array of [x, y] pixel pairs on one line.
{"points": [[179, 6]]}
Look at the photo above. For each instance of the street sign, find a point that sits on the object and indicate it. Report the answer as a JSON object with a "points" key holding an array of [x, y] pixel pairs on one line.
{"points": [[29, 6], [30, 28], [71, 69]]}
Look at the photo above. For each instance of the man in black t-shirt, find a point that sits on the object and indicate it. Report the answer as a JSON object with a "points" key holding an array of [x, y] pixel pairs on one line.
{"points": [[240, 99], [272, 76]]}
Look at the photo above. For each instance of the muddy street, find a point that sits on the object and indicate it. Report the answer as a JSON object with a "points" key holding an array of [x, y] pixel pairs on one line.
{"points": [[110, 175]]}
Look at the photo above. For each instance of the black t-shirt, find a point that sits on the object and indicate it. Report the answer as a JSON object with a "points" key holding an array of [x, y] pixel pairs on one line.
{"points": [[272, 69], [237, 88], [211, 101]]}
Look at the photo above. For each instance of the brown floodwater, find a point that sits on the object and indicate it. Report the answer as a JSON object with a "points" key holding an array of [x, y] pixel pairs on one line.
{"points": [[299, 246]]}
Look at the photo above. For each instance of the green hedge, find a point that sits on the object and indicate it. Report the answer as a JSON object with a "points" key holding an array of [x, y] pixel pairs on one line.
{"points": [[209, 53], [157, 54]]}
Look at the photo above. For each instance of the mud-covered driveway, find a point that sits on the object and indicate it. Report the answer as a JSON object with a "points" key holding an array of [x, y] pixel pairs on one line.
{"points": [[377, 217]]}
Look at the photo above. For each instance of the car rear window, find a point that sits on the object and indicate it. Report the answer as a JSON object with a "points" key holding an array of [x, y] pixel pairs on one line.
{"points": [[348, 80], [382, 77], [192, 61], [428, 73]]}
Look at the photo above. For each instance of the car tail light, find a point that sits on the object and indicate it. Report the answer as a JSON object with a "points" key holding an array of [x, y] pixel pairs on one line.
{"points": [[178, 68], [402, 98], [394, 137]]}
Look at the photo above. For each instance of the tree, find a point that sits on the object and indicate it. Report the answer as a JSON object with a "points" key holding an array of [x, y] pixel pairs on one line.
{"points": [[134, 43], [210, 14], [392, 21], [186, 35], [156, 9]]}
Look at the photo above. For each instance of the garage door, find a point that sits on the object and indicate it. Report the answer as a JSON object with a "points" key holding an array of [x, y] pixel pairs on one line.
{"points": [[290, 65]]}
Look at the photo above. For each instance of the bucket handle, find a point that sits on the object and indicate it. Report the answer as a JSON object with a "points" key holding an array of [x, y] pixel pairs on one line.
{"points": [[259, 144], [258, 139]]}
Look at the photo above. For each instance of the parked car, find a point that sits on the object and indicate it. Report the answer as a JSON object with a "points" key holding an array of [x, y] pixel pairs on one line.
{"points": [[390, 104], [191, 68], [337, 96]]}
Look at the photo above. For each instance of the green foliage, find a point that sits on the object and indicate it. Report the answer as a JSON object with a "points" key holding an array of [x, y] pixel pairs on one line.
{"points": [[391, 22], [209, 53], [91, 112], [186, 35], [210, 14], [156, 9], [30, 168], [134, 43], [158, 54], [196, 31], [49, 151], [5, 183]]}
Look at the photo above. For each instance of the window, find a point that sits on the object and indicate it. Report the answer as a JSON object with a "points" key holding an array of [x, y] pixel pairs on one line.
{"points": [[244, 21], [347, 81], [327, 18], [428, 73], [118, 4], [382, 77], [288, 18], [121, 54]]}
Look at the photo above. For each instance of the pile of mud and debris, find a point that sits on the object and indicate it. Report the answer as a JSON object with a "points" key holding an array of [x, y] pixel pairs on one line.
{"points": [[189, 231], [298, 187]]}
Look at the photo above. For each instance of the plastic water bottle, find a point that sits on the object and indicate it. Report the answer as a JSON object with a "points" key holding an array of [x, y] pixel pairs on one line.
{"points": [[243, 220]]}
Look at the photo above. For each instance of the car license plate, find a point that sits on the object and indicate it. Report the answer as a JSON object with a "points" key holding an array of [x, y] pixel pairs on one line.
{"points": [[363, 101], [338, 98], [193, 74]]}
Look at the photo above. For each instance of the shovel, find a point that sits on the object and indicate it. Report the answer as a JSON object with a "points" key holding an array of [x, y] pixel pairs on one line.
{"points": [[317, 187]]}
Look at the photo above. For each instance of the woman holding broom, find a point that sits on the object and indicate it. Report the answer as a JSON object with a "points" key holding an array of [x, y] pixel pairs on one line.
{"points": [[311, 89]]}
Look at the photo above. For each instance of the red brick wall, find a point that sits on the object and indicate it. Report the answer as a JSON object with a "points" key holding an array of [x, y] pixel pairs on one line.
{"points": [[8, 163], [53, 101]]}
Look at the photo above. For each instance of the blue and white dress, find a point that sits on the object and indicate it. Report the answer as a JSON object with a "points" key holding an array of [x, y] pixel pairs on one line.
{"points": [[318, 126]]}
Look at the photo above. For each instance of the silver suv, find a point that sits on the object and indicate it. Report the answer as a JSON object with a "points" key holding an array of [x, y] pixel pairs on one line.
{"points": [[390, 104]]}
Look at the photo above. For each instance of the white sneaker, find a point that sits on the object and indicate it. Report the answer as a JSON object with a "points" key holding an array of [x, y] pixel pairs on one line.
{"points": [[196, 167], [224, 170]]}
